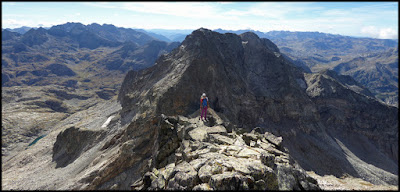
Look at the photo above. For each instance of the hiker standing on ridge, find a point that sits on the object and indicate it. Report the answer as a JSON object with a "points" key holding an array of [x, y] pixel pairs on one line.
{"points": [[203, 106]]}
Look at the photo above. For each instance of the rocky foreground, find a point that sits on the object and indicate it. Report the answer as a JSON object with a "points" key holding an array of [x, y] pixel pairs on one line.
{"points": [[191, 155], [197, 155]]}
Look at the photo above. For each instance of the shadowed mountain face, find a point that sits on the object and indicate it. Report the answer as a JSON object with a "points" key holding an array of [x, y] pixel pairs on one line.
{"points": [[371, 62], [362, 124], [237, 72], [250, 84]]}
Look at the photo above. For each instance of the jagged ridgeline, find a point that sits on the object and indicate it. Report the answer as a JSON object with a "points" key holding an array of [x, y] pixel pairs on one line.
{"points": [[323, 120], [241, 75]]}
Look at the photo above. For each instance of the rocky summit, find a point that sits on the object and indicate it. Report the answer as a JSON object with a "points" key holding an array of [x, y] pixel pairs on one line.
{"points": [[269, 125], [198, 155]]}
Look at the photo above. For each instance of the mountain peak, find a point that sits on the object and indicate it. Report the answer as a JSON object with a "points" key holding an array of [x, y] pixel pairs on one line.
{"points": [[223, 66], [35, 37], [36, 31], [7, 35], [249, 35], [202, 29], [253, 39], [202, 32]]}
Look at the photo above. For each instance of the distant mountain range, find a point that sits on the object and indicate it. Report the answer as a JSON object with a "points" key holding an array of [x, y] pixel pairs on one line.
{"points": [[53, 73], [167, 35], [378, 71], [81, 50], [322, 48], [23, 29]]}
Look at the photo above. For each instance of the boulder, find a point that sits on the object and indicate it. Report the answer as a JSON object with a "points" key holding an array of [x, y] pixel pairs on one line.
{"points": [[249, 137], [198, 163], [230, 181], [202, 187], [290, 178], [201, 133], [209, 169], [71, 142], [220, 139], [277, 141], [184, 176]]}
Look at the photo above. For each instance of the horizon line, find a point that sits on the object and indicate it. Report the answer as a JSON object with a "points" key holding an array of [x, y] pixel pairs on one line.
{"points": [[148, 29]]}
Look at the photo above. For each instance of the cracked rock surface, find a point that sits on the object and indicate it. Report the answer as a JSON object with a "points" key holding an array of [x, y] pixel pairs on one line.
{"points": [[208, 157]]}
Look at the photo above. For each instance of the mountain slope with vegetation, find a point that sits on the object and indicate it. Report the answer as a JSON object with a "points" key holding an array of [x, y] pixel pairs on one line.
{"points": [[67, 68]]}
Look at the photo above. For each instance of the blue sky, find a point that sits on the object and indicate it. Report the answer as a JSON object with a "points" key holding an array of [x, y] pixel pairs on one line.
{"points": [[362, 19]]}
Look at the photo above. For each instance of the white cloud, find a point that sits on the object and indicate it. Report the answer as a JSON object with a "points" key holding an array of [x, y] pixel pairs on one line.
{"points": [[233, 12], [224, 2], [388, 33], [336, 13], [181, 9], [380, 33], [279, 10], [12, 23], [370, 30], [100, 4], [8, 3], [16, 23]]}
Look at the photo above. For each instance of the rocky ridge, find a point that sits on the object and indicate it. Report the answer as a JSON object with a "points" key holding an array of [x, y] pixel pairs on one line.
{"points": [[170, 152], [198, 155], [245, 76]]}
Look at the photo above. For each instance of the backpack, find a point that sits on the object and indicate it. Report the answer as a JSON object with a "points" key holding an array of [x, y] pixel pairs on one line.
{"points": [[204, 101]]}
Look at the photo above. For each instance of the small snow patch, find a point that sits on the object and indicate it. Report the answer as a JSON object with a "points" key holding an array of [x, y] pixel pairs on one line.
{"points": [[107, 122]]}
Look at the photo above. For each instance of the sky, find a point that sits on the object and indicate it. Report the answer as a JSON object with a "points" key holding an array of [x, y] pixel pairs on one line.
{"points": [[359, 19]]}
